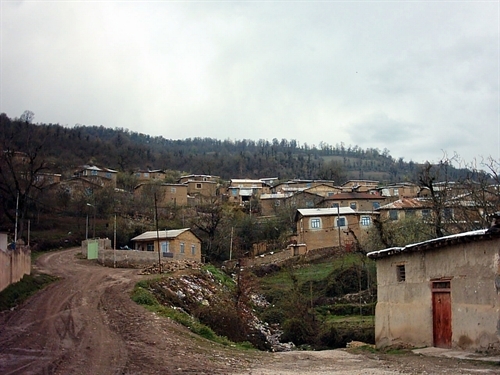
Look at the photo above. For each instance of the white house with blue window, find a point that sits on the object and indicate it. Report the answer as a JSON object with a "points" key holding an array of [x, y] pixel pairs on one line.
{"points": [[331, 227]]}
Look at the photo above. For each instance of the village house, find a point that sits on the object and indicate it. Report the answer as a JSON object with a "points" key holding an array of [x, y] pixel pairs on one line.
{"points": [[242, 191], [356, 201], [77, 188], [166, 194], [331, 227], [405, 208], [304, 199], [442, 292], [270, 204], [149, 175], [201, 188], [324, 190], [297, 185], [360, 186], [98, 175], [174, 244], [398, 191]]}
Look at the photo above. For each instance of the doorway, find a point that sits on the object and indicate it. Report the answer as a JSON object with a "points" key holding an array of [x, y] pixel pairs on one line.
{"points": [[441, 313]]}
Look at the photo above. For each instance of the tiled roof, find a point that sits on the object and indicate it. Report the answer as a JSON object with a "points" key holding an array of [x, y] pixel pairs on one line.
{"points": [[407, 203]]}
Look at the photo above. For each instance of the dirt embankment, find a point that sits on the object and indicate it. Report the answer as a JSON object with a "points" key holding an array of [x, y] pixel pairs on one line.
{"points": [[86, 323]]}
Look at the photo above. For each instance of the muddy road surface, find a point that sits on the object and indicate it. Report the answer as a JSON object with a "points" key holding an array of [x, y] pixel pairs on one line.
{"points": [[86, 324]]}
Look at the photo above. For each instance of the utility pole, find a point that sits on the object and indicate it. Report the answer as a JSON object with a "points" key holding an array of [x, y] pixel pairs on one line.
{"points": [[231, 245], [17, 214], [114, 245], [157, 235], [338, 221]]}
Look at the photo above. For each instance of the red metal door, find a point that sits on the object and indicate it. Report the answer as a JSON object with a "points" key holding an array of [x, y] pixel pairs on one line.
{"points": [[441, 311]]}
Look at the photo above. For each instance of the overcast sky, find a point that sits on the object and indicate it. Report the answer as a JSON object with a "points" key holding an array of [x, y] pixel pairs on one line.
{"points": [[418, 78]]}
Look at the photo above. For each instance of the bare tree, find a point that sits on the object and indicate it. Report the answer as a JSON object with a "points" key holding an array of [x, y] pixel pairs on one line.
{"points": [[436, 179], [21, 172], [27, 116]]}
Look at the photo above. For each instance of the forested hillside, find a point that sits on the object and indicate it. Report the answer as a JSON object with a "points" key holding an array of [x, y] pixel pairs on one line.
{"points": [[64, 148]]}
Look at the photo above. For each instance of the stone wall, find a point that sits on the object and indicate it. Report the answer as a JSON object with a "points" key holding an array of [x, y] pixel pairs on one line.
{"points": [[14, 264], [128, 258]]}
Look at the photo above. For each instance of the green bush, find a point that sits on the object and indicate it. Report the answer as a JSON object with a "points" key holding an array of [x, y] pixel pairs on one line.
{"points": [[298, 331], [143, 297], [273, 315], [18, 292]]}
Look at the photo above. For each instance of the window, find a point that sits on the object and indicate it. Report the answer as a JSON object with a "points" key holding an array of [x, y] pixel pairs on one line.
{"points": [[335, 205], [93, 173], [309, 204], [426, 214], [150, 246], [198, 186], [365, 221], [401, 273], [409, 213], [234, 192], [193, 249], [182, 247], [376, 205], [448, 213], [341, 222], [277, 202], [396, 192], [393, 214], [165, 247], [173, 190], [315, 223], [108, 175], [330, 193], [353, 205], [146, 175]]}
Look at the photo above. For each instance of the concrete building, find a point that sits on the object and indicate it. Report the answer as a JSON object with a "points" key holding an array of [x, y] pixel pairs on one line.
{"points": [[443, 292]]}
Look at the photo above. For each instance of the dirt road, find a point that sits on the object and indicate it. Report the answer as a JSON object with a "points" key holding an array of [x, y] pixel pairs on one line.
{"points": [[86, 323]]}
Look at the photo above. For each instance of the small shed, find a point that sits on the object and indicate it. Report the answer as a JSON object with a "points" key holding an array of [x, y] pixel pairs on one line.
{"points": [[174, 244], [443, 292]]}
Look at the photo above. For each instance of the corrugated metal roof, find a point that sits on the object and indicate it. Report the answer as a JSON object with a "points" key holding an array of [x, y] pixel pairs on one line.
{"points": [[275, 196], [436, 242], [162, 234], [325, 211], [353, 196]]}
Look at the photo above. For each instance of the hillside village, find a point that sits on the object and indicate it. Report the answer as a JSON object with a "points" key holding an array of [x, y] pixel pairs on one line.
{"points": [[177, 221], [324, 214]]}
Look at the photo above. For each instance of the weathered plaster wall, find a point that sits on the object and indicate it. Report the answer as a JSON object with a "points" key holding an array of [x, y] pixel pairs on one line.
{"points": [[14, 264], [404, 309]]}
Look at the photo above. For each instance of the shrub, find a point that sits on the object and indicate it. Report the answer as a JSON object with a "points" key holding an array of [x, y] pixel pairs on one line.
{"points": [[143, 297], [297, 331]]}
